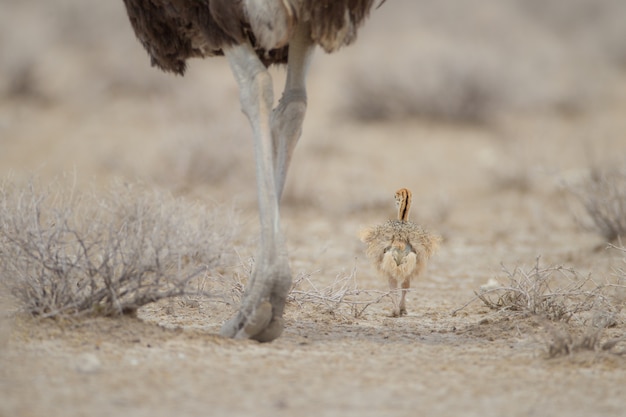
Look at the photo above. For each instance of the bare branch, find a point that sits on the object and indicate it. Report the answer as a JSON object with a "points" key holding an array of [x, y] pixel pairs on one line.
{"points": [[342, 292], [556, 293], [63, 252]]}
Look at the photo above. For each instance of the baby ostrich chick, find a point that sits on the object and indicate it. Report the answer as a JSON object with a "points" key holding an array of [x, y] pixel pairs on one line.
{"points": [[399, 250]]}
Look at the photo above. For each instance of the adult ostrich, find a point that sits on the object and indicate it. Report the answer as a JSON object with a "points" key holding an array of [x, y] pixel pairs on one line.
{"points": [[254, 34]]}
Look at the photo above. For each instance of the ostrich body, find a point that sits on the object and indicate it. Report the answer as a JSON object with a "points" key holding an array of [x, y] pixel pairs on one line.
{"points": [[399, 250], [252, 34]]}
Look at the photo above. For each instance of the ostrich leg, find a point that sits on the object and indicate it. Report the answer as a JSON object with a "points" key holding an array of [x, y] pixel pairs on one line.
{"points": [[288, 116], [260, 315]]}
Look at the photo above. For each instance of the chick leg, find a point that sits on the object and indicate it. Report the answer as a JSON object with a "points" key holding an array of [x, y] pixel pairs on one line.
{"points": [[406, 284], [393, 293]]}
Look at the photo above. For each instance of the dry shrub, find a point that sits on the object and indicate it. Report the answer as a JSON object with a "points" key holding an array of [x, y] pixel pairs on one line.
{"points": [[574, 311], [341, 295], [603, 195], [64, 252], [563, 341], [554, 293]]}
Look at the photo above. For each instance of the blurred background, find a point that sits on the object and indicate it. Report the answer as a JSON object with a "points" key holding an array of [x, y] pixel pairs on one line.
{"points": [[437, 78]]}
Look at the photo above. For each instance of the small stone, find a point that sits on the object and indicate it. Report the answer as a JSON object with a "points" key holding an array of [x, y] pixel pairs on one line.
{"points": [[88, 363]]}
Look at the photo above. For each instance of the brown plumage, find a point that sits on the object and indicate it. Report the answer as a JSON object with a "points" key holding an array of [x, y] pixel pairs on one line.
{"points": [[253, 34], [399, 249], [173, 31]]}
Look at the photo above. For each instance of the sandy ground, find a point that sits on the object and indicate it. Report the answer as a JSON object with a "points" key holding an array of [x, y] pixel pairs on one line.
{"points": [[493, 190]]}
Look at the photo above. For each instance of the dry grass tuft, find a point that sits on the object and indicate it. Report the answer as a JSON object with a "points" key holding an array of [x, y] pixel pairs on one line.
{"points": [[65, 253], [603, 195]]}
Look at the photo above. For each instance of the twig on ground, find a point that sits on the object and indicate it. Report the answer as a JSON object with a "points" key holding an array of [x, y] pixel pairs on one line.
{"points": [[343, 291]]}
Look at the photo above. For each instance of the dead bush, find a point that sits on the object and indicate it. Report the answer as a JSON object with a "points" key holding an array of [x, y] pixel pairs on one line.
{"points": [[603, 194], [564, 340], [555, 293], [64, 252]]}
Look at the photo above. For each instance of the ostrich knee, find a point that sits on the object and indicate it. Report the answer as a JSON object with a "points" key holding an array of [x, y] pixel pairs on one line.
{"points": [[286, 122], [256, 96]]}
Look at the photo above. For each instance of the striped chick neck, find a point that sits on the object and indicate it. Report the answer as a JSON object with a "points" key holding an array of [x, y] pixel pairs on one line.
{"points": [[403, 203]]}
